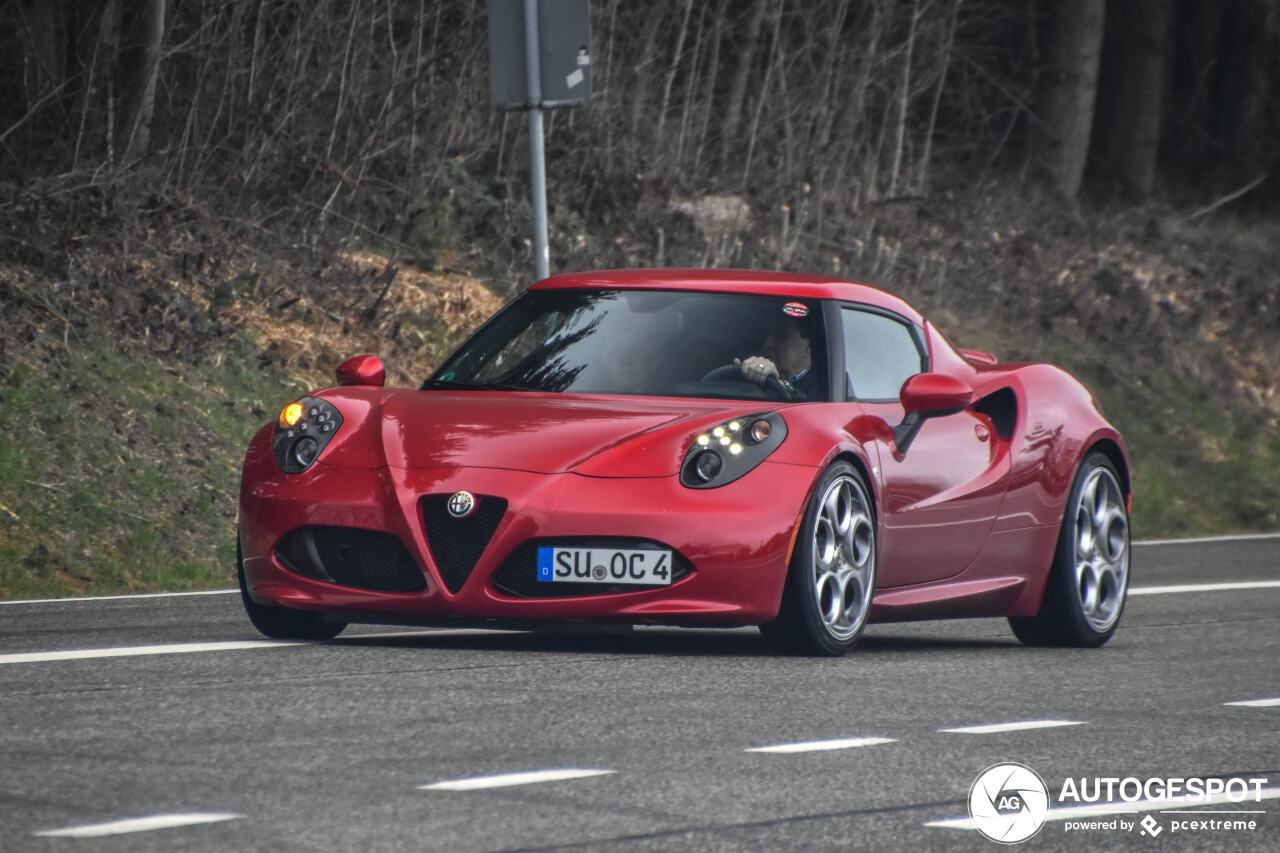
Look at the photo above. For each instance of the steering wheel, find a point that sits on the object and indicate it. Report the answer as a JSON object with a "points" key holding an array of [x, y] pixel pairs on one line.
{"points": [[726, 373], [775, 385], [733, 373]]}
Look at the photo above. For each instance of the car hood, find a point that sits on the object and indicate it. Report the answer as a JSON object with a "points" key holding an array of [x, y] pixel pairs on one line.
{"points": [[597, 436]]}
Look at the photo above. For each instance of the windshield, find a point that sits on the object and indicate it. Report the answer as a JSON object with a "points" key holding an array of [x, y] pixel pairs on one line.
{"points": [[651, 342]]}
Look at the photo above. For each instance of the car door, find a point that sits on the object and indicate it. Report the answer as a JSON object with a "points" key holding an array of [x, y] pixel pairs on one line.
{"points": [[939, 500]]}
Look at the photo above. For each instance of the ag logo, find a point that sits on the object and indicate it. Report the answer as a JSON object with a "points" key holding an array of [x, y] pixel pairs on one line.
{"points": [[1008, 803], [461, 504]]}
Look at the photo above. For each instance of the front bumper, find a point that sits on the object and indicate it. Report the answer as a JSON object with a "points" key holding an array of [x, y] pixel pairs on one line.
{"points": [[735, 540]]}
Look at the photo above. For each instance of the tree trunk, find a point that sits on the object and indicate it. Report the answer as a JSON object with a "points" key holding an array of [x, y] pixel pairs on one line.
{"points": [[1244, 81], [738, 87], [1068, 88], [140, 67], [1131, 93]]}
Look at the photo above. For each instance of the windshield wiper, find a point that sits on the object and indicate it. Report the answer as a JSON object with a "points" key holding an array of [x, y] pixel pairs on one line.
{"points": [[453, 384], [447, 383]]}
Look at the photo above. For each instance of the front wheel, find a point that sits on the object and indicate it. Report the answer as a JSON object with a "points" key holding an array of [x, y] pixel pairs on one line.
{"points": [[832, 577], [283, 623], [1089, 579]]}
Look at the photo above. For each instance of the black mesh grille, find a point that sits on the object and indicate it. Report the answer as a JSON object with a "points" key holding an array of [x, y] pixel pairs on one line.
{"points": [[518, 575], [457, 543], [364, 559]]}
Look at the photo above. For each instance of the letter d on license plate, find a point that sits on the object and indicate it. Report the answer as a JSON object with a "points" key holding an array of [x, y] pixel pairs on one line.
{"points": [[604, 565]]}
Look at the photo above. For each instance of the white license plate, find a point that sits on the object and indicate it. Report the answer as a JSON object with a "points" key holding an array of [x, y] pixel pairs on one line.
{"points": [[604, 565]]}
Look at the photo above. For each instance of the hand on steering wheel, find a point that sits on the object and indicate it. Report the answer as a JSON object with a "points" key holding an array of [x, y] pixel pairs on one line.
{"points": [[735, 373], [757, 369]]}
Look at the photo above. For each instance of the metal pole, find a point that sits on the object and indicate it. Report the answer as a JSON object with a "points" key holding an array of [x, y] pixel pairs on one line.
{"points": [[542, 253]]}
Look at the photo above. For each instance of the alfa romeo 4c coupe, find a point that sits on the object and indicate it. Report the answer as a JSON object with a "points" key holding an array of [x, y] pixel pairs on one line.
{"points": [[700, 448]]}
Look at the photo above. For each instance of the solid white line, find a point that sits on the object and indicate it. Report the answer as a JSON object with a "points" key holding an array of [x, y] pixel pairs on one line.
{"points": [[140, 651], [1103, 809], [227, 646], [120, 597], [1257, 703], [1011, 727], [1200, 540], [432, 632], [506, 780], [820, 745], [138, 824], [1203, 540], [1203, 587]]}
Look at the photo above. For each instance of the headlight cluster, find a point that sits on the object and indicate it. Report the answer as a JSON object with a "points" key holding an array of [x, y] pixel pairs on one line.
{"points": [[303, 430], [729, 450]]}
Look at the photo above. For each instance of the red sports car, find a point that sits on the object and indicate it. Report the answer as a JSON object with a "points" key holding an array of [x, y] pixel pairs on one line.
{"points": [[693, 447]]}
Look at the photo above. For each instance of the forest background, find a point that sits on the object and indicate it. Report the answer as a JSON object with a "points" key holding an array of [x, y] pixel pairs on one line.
{"points": [[205, 205]]}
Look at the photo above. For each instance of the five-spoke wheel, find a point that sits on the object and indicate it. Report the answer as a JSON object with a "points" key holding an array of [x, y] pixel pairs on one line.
{"points": [[1087, 585], [832, 577]]}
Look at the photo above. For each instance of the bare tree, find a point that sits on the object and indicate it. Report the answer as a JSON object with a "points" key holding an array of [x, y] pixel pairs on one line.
{"points": [[1131, 93], [1068, 90], [140, 70]]}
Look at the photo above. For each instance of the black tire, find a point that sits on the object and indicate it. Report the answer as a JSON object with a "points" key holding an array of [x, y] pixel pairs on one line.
{"points": [[827, 594], [283, 623], [1089, 579]]}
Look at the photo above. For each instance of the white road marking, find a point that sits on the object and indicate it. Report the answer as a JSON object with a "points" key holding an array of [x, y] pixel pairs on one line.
{"points": [[139, 824], [138, 651], [1203, 540], [505, 780], [228, 646], [1198, 540], [1257, 703], [1103, 809], [821, 745], [1011, 727], [142, 595], [433, 632], [1202, 587]]}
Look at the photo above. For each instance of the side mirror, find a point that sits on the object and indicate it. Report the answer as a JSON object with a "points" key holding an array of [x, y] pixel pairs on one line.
{"points": [[928, 395], [362, 370]]}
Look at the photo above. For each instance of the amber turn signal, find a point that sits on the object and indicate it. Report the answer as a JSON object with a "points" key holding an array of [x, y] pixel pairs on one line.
{"points": [[291, 415]]}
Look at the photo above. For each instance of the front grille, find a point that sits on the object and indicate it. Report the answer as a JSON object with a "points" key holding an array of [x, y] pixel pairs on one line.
{"points": [[364, 559], [457, 543], [518, 574]]}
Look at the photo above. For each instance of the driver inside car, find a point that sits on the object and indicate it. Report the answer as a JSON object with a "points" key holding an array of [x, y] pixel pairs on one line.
{"points": [[787, 355]]}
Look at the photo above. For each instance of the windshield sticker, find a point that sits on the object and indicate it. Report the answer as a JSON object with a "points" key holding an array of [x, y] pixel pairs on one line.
{"points": [[795, 309]]}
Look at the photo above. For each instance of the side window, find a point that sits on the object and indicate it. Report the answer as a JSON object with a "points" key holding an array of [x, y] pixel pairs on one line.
{"points": [[880, 353]]}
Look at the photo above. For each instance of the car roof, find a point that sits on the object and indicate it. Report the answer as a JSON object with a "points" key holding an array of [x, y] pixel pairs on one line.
{"points": [[796, 285]]}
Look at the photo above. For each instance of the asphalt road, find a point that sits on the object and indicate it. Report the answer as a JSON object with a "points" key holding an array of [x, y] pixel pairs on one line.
{"points": [[332, 746]]}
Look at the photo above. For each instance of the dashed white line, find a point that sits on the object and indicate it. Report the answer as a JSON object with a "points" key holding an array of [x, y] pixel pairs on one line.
{"points": [[1011, 727], [1118, 808], [506, 780], [1257, 703], [138, 824], [1202, 587], [821, 745]]}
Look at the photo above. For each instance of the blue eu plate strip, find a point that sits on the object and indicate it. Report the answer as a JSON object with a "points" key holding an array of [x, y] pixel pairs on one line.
{"points": [[544, 563]]}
